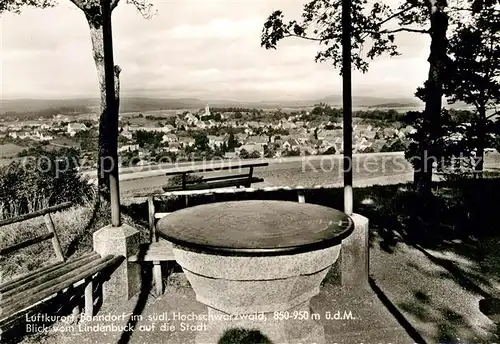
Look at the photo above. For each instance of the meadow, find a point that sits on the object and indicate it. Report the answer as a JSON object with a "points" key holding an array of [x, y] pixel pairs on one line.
{"points": [[10, 150]]}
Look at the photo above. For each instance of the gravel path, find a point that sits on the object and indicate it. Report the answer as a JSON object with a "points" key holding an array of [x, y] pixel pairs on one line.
{"points": [[439, 302]]}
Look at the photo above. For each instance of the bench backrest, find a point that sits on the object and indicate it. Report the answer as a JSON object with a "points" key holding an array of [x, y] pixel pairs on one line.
{"points": [[52, 234], [245, 179]]}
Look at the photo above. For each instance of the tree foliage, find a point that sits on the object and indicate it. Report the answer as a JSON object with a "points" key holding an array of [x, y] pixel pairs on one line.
{"points": [[201, 143], [232, 142], [474, 48], [454, 145], [151, 139], [91, 8], [321, 22]]}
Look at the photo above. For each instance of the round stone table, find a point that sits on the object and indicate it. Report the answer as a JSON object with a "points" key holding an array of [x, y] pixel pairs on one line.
{"points": [[257, 264]]}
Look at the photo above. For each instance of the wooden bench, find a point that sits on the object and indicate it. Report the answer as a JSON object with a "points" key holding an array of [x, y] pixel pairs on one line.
{"points": [[232, 180], [25, 292], [159, 250]]}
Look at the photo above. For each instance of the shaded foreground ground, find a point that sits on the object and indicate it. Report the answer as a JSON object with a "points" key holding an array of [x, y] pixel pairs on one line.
{"points": [[433, 259], [372, 322], [439, 292], [435, 293]]}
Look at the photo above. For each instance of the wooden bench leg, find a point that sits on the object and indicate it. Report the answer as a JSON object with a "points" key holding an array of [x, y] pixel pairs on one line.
{"points": [[158, 277], [302, 197], [76, 309], [89, 298]]}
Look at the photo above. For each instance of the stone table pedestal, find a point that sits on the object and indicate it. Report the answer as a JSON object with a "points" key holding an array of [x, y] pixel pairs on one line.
{"points": [[257, 264]]}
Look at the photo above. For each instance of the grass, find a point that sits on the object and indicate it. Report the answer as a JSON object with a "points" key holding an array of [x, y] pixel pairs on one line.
{"points": [[74, 227], [10, 150], [65, 141]]}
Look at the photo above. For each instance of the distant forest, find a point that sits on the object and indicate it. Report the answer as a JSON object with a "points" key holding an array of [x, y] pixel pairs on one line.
{"points": [[46, 113]]}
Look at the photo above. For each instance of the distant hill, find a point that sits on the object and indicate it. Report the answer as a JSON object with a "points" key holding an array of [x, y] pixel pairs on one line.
{"points": [[393, 105], [133, 104], [365, 101], [36, 105]]}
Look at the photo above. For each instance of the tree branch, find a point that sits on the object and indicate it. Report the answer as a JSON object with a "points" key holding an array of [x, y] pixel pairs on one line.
{"points": [[114, 3], [306, 37], [493, 115], [78, 3], [405, 29], [396, 15], [389, 18]]}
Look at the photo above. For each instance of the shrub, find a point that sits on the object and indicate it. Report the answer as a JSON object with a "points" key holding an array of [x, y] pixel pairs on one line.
{"points": [[42, 180]]}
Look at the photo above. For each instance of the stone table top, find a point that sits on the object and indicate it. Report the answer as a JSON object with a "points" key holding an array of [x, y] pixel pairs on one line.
{"points": [[255, 227]]}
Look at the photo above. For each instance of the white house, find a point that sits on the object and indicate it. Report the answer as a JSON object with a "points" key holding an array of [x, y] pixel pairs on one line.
{"points": [[127, 134], [214, 141], [173, 147], [187, 141], [202, 124], [41, 136], [291, 144], [128, 148], [258, 139], [191, 119], [250, 148], [169, 138], [322, 134], [169, 128], [74, 128], [287, 125]]}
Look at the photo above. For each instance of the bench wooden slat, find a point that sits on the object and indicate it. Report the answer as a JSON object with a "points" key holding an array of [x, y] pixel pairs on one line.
{"points": [[47, 276], [26, 243], [52, 279], [42, 271], [233, 176], [161, 215], [219, 168], [35, 214], [40, 293], [158, 251], [215, 185]]}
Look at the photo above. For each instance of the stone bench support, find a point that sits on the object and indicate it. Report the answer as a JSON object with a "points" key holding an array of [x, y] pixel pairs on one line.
{"points": [[125, 281], [355, 255]]}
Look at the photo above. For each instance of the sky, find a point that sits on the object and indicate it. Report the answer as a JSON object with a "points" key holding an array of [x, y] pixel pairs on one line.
{"points": [[206, 49]]}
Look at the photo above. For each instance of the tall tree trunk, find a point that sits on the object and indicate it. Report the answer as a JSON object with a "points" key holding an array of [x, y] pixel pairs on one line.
{"points": [[434, 92], [97, 39], [105, 129], [481, 137]]}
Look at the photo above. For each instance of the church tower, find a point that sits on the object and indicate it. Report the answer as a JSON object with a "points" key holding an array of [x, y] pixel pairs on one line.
{"points": [[207, 111]]}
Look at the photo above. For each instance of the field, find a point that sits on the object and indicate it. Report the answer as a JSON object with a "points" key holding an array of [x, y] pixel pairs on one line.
{"points": [[64, 142], [9, 150]]}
